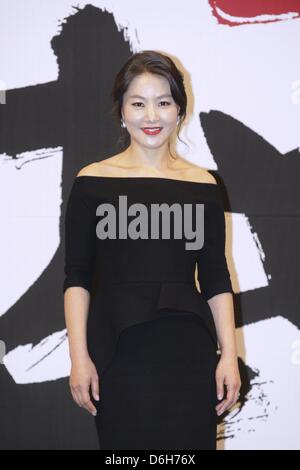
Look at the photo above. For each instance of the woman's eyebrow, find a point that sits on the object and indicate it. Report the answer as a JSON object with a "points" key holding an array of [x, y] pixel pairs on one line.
{"points": [[143, 98]]}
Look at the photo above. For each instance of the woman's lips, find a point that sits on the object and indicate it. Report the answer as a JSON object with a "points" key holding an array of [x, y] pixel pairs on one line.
{"points": [[153, 131]]}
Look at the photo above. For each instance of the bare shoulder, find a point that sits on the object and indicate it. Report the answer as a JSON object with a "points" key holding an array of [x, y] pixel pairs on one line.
{"points": [[88, 170], [204, 176], [105, 167], [196, 173]]}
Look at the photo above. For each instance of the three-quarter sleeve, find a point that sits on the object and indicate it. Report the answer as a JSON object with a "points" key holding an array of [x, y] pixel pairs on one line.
{"points": [[79, 238], [213, 274]]}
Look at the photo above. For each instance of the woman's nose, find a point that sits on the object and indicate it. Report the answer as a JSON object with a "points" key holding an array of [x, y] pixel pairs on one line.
{"points": [[151, 114]]}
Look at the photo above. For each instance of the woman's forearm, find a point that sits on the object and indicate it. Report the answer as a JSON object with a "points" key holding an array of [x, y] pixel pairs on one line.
{"points": [[76, 306], [222, 308]]}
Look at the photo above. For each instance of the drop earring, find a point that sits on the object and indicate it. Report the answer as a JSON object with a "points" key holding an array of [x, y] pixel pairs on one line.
{"points": [[123, 123]]}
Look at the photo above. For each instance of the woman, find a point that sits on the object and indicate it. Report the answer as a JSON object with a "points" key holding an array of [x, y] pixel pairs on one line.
{"points": [[141, 336]]}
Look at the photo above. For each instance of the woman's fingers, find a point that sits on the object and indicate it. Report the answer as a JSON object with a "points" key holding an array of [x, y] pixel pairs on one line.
{"points": [[86, 402], [75, 397], [220, 388], [81, 396], [231, 399], [84, 384], [227, 402]]}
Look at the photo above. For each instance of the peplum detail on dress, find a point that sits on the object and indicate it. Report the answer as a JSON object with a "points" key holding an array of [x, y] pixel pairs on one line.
{"points": [[118, 306], [185, 296], [132, 282]]}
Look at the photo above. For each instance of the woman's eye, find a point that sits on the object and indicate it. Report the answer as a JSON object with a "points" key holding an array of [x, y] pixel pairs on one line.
{"points": [[137, 103]]}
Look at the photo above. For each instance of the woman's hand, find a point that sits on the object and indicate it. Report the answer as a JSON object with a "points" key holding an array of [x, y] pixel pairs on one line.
{"points": [[227, 373], [83, 376]]}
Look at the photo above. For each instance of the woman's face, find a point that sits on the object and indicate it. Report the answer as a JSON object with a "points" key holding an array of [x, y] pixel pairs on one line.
{"points": [[148, 103]]}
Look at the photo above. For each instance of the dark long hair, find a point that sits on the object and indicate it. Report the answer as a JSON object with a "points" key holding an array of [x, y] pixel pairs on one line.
{"points": [[150, 62]]}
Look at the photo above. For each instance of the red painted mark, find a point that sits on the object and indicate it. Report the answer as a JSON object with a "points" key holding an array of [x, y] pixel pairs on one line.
{"points": [[237, 13]]}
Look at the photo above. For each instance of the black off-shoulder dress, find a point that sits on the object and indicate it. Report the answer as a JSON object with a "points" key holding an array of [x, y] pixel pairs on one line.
{"points": [[150, 332]]}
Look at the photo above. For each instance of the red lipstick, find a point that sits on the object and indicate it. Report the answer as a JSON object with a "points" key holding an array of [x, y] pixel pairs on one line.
{"points": [[151, 130]]}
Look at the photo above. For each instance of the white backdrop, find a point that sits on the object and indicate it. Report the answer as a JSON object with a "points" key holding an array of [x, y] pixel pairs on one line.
{"points": [[248, 71]]}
